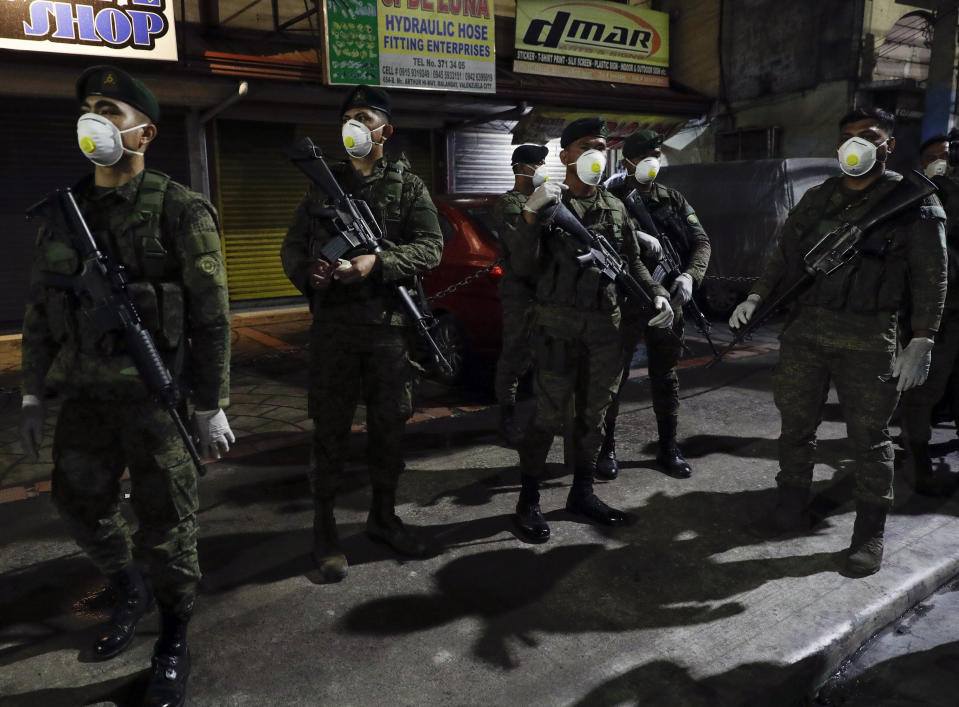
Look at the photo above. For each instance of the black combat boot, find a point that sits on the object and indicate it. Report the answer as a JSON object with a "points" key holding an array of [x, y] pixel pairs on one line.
{"points": [[606, 466], [529, 518], [134, 599], [171, 663], [382, 525], [788, 516], [582, 501], [669, 456], [509, 431], [865, 550], [926, 481], [327, 555]]}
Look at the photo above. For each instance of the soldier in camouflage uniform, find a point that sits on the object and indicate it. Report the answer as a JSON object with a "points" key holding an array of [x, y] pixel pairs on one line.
{"points": [[843, 329], [167, 238], [576, 339], [917, 404], [676, 219], [515, 293], [358, 343]]}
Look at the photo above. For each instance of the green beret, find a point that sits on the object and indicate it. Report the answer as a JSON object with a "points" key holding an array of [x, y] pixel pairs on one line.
{"points": [[116, 83], [368, 97], [641, 142], [529, 154], [583, 127]]}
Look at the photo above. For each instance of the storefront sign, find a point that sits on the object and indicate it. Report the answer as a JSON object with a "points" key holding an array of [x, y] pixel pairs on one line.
{"points": [[590, 39], [140, 29], [432, 44], [543, 125]]}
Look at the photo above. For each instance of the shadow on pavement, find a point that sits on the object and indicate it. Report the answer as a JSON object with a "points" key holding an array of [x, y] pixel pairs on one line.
{"points": [[666, 684], [126, 691]]}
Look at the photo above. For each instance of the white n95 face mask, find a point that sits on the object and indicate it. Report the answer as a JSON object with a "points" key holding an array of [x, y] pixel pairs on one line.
{"points": [[100, 140], [590, 166], [857, 156], [357, 138], [646, 169], [539, 176], [936, 168]]}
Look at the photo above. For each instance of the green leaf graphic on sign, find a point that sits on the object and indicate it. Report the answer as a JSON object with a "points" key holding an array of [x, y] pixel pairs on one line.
{"points": [[353, 53]]}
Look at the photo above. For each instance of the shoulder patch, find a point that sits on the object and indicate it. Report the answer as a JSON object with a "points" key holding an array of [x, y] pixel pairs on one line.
{"points": [[693, 220], [208, 264]]}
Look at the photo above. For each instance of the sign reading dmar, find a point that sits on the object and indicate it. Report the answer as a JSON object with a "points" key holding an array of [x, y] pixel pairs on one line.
{"points": [[432, 44], [141, 29], [590, 39]]}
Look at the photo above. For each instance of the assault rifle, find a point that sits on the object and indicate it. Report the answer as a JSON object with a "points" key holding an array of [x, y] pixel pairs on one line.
{"points": [[669, 266], [104, 283], [601, 254], [835, 249], [354, 227]]}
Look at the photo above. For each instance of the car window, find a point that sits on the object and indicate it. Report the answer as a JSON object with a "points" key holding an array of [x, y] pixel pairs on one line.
{"points": [[484, 216], [446, 227]]}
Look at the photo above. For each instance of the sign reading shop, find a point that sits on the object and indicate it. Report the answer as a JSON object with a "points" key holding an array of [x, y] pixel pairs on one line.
{"points": [[590, 39], [141, 29]]}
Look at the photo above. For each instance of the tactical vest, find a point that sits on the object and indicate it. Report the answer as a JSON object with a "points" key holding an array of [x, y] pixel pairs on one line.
{"points": [[669, 222], [562, 281], [875, 281], [368, 301], [131, 236]]}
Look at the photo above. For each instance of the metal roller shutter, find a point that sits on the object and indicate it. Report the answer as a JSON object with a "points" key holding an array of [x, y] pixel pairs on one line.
{"points": [[481, 161], [40, 153]]}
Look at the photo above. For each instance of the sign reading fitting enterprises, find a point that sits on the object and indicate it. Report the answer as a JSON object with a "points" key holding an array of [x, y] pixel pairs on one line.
{"points": [[431, 44], [591, 39], [134, 29]]}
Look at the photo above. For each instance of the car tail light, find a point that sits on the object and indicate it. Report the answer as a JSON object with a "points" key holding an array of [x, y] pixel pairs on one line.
{"points": [[496, 271]]}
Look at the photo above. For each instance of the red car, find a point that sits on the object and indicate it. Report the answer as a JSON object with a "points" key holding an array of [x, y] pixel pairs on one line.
{"points": [[468, 318]]}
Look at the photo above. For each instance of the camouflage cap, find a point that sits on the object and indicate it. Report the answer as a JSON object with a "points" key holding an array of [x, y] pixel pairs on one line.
{"points": [[529, 154], [583, 127], [368, 97], [116, 83], [641, 142]]}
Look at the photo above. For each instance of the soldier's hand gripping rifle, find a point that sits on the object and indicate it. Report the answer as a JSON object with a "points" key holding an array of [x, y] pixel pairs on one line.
{"points": [[355, 227], [836, 249], [601, 254], [104, 284], [669, 266]]}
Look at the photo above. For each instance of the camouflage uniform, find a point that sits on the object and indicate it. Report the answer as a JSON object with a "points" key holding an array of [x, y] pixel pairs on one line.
{"points": [[843, 329], [918, 403], [358, 339], [676, 219], [516, 299], [167, 238], [576, 336]]}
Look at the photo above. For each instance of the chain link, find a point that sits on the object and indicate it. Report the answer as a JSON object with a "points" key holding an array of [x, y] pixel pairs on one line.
{"points": [[733, 278], [465, 281]]}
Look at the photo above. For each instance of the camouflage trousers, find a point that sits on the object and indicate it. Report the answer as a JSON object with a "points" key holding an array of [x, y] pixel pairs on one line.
{"points": [[581, 360], [917, 404], [662, 351], [800, 386], [93, 443], [516, 355], [349, 363]]}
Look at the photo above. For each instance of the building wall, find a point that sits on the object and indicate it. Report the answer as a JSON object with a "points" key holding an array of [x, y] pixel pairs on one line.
{"points": [[693, 43]]}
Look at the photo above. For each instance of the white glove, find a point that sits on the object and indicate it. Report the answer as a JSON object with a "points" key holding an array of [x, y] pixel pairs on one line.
{"points": [[214, 432], [744, 312], [681, 290], [32, 416], [664, 319], [543, 195], [912, 364], [650, 244]]}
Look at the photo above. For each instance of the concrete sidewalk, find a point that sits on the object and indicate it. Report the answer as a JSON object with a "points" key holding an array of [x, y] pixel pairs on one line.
{"points": [[681, 608]]}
